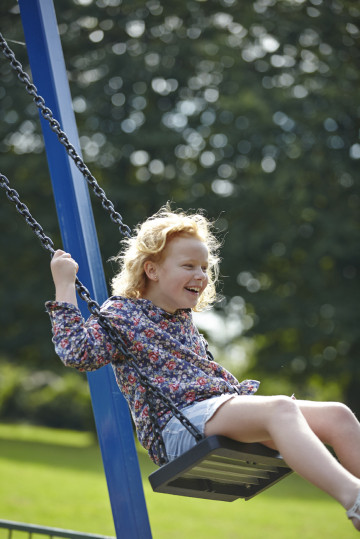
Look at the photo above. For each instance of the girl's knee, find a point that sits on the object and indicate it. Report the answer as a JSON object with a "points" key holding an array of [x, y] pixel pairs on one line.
{"points": [[339, 423], [284, 405], [341, 414]]}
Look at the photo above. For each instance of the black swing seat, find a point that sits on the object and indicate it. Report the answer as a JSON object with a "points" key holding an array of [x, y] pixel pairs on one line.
{"points": [[218, 468]]}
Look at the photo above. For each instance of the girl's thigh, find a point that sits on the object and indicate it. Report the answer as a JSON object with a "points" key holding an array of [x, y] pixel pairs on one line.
{"points": [[249, 418], [246, 418]]}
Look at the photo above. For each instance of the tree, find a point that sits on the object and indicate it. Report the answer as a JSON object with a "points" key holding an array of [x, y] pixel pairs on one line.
{"points": [[250, 111]]}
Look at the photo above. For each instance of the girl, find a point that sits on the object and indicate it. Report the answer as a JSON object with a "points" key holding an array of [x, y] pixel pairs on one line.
{"points": [[168, 269]]}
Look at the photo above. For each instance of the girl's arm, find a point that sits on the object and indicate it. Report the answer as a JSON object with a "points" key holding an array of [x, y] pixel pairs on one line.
{"points": [[79, 344], [64, 269], [84, 347]]}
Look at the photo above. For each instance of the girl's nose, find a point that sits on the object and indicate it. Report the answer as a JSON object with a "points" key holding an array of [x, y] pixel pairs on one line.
{"points": [[200, 274]]}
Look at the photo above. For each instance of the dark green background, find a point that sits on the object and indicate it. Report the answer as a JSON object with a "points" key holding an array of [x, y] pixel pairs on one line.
{"points": [[249, 110]]}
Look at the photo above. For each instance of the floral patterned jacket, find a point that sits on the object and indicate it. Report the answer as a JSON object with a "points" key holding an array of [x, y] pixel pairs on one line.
{"points": [[169, 350]]}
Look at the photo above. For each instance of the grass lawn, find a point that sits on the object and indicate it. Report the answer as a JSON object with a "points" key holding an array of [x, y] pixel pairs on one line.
{"points": [[55, 478]]}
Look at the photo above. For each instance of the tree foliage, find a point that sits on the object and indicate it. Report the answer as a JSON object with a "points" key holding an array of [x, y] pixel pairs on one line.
{"points": [[247, 109]]}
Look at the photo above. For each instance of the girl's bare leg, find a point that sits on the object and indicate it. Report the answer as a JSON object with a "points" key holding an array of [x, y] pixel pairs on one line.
{"points": [[335, 425], [281, 420]]}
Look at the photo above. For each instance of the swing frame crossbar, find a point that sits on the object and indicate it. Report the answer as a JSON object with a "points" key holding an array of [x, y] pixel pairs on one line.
{"points": [[218, 468]]}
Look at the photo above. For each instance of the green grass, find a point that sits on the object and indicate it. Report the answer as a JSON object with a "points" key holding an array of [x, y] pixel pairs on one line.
{"points": [[55, 478]]}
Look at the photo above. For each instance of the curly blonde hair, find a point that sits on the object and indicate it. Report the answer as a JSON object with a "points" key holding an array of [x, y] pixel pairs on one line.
{"points": [[149, 242]]}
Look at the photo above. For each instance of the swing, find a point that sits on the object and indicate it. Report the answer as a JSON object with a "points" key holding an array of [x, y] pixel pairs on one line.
{"points": [[216, 467]]}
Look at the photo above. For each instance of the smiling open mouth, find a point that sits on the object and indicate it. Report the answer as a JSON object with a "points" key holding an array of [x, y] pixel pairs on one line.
{"points": [[192, 290]]}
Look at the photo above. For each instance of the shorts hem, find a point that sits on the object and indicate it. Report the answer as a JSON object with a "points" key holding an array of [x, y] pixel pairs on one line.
{"points": [[177, 438]]}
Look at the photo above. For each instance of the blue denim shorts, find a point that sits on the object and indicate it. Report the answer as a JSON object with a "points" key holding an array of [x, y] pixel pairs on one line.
{"points": [[177, 438]]}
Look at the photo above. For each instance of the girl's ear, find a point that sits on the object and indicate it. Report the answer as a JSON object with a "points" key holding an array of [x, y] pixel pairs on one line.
{"points": [[150, 269]]}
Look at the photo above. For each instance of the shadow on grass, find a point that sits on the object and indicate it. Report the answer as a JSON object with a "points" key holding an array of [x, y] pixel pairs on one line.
{"points": [[52, 455], [86, 457]]}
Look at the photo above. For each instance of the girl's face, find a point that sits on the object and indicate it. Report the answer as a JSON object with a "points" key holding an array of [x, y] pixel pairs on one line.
{"points": [[178, 280]]}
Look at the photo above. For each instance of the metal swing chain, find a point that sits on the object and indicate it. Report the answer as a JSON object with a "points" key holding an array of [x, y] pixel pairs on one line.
{"points": [[56, 128], [114, 336], [123, 228]]}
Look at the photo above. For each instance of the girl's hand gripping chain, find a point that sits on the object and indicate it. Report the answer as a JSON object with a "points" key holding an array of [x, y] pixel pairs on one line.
{"points": [[64, 270]]}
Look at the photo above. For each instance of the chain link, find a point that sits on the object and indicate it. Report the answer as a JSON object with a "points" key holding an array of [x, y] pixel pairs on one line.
{"points": [[47, 114]]}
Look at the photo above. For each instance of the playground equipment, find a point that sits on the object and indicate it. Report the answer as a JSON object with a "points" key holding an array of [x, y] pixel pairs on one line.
{"points": [[216, 468]]}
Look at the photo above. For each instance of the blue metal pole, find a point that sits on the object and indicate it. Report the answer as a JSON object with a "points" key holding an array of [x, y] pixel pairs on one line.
{"points": [[79, 238]]}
